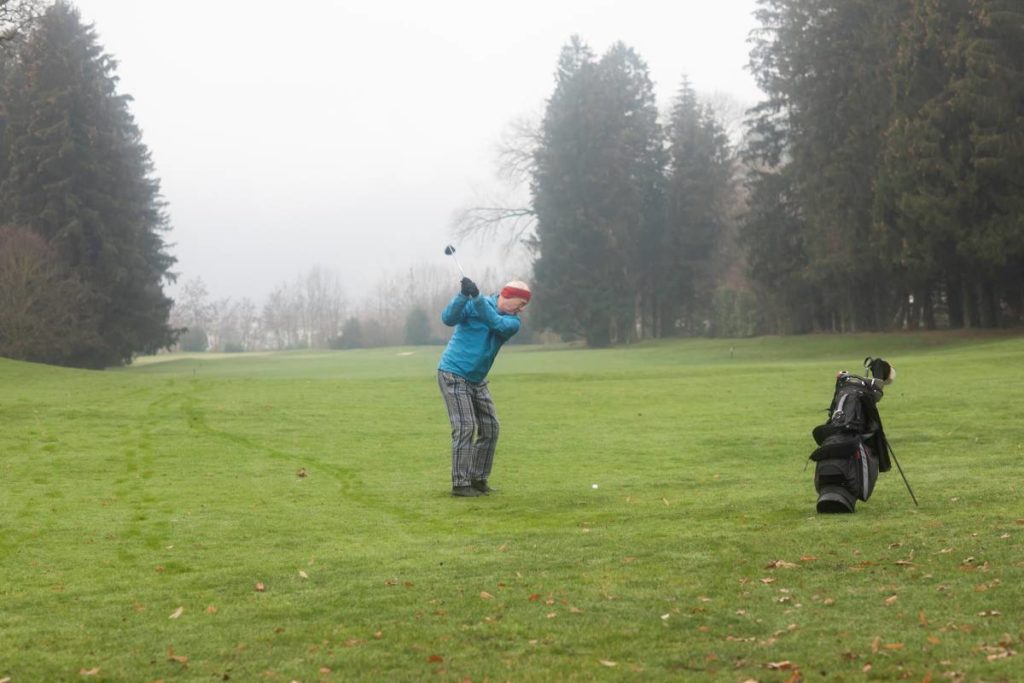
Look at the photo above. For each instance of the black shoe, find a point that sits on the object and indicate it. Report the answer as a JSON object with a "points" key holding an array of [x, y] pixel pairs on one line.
{"points": [[481, 486], [466, 492]]}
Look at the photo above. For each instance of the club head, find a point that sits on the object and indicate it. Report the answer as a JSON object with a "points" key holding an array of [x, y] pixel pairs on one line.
{"points": [[449, 250]]}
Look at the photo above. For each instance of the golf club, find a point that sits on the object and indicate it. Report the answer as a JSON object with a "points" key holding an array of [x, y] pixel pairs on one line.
{"points": [[450, 251]]}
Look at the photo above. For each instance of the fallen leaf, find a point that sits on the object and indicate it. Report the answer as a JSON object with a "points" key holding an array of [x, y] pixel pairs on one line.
{"points": [[891, 599], [665, 501], [767, 580], [210, 609], [576, 610], [352, 642], [607, 662], [922, 619], [391, 582], [378, 635], [301, 473], [486, 596], [828, 601], [780, 666], [534, 597], [176, 613], [435, 659], [808, 558], [875, 643], [779, 564], [552, 615], [180, 659], [261, 587], [303, 574], [989, 613], [934, 640], [135, 606], [503, 548], [409, 584], [81, 672], [325, 669], [894, 646]]}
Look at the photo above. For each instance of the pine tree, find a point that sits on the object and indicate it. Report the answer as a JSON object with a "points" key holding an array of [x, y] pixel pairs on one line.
{"points": [[699, 186], [80, 176], [597, 190]]}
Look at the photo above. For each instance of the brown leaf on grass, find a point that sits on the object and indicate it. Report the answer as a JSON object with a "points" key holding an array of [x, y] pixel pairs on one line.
{"points": [[576, 610], [552, 615], [377, 635], [135, 606], [325, 669], [352, 642], [534, 597], [784, 665], [180, 659], [607, 662], [665, 501], [486, 596], [922, 619], [990, 613], [5, 679], [503, 548], [210, 609], [876, 642], [891, 599], [176, 613], [81, 672], [435, 659], [260, 587], [767, 580], [301, 473], [390, 582], [779, 564], [934, 640], [893, 646], [303, 574], [808, 558]]}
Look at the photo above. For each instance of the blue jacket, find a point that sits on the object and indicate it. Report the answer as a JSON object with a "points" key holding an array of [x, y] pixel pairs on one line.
{"points": [[480, 330]]}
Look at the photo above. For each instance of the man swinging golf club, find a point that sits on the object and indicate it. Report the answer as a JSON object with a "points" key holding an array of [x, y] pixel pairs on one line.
{"points": [[482, 324]]}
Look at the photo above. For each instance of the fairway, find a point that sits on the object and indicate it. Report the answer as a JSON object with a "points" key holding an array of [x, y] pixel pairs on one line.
{"points": [[286, 516]]}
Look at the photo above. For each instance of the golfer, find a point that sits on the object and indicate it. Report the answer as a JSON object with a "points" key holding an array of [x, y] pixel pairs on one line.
{"points": [[482, 324]]}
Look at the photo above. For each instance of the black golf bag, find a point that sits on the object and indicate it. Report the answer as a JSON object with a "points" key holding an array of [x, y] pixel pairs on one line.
{"points": [[852, 448]]}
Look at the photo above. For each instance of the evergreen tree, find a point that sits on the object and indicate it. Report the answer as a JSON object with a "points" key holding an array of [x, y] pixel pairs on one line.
{"points": [[597, 191], [79, 175], [699, 186]]}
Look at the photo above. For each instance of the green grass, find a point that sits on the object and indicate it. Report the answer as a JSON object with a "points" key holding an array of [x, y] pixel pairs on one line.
{"points": [[126, 496]]}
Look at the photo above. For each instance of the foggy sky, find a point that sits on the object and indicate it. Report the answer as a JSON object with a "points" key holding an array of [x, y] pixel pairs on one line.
{"points": [[345, 134]]}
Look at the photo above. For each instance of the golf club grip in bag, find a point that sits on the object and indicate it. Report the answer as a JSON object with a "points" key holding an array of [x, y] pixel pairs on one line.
{"points": [[852, 448]]}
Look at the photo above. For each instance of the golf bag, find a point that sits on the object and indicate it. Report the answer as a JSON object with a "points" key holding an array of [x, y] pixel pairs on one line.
{"points": [[852, 448]]}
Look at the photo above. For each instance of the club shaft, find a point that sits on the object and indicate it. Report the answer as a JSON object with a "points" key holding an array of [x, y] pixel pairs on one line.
{"points": [[909, 490]]}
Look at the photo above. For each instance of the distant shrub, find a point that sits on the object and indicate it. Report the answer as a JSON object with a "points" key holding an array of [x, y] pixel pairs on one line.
{"points": [[233, 347], [194, 340]]}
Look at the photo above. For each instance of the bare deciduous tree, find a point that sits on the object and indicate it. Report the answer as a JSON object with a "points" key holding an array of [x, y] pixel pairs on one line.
{"points": [[41, 305]]}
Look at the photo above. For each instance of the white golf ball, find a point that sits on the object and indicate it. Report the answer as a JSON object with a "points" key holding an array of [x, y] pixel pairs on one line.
{"points": [[593, 486]]}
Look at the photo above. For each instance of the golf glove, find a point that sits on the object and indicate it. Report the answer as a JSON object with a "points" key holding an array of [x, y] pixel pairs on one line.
{"points": [[469, 288]]}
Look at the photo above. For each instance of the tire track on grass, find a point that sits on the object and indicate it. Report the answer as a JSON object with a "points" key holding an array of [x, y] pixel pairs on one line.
{"points": [[352, 487]]}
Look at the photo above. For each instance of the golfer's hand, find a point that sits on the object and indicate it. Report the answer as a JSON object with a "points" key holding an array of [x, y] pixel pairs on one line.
{"points": [[469, 288]]}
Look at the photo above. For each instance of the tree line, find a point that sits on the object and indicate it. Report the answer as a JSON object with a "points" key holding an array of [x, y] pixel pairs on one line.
{"points": [[877, 186]]}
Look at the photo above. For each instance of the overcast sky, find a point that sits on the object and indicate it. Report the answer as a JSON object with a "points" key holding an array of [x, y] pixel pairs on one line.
{"points": [[346, 133]]}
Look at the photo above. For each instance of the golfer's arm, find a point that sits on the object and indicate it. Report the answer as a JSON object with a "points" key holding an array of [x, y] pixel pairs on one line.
{"points": [[455, 311], [503, 325]]}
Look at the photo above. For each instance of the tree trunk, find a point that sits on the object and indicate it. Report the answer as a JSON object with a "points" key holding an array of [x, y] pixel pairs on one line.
{"points": [[955, 302]]}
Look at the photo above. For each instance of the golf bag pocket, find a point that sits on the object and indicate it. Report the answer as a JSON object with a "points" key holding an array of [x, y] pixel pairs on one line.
{"points": [[846, 477]]}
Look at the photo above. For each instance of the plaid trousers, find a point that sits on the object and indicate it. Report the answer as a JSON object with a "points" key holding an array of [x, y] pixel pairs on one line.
{"points": [[474, 427]]}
